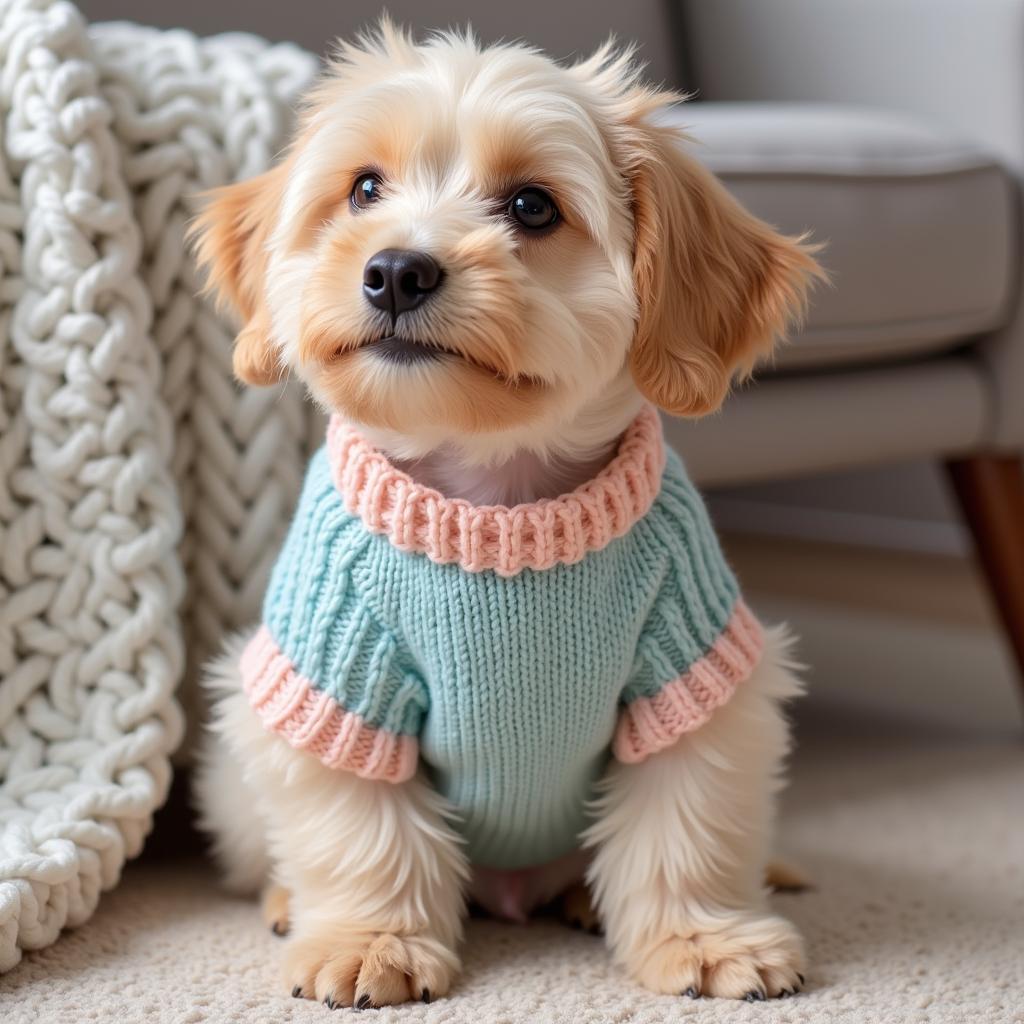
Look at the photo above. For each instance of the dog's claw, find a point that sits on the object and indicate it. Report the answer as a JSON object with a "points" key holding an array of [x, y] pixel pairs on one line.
{"points": [[692, 993], [363, 1001], [329, 1001], [803, 980], [425, 995], [297, 992], [755, 996]]}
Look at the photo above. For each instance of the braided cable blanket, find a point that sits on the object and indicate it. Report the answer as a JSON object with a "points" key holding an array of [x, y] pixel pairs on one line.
{"points": [[142, 495]]}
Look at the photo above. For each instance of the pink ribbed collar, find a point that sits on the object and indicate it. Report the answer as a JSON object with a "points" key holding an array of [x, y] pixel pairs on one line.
{"points": [[507, 540]]}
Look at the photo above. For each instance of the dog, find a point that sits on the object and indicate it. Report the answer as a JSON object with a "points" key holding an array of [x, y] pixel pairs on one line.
{"points": [[491, 268]]}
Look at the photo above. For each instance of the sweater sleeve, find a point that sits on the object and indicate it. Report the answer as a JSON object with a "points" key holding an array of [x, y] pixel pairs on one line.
{"points": [[323, 671], [698, 641]]}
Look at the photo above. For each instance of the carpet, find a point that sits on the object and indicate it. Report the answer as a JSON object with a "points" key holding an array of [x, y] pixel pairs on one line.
{"points": [[915, 844]]}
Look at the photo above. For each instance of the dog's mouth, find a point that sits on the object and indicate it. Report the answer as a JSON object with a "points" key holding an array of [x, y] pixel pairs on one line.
{"points": [[407, 352], [414, 352]]}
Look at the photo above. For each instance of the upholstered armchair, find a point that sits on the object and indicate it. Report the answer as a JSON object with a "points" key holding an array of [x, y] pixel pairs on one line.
{"points": [[894, 131]]}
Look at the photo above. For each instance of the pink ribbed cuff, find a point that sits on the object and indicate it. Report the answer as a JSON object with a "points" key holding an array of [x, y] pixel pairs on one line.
{"points": [[650, 724], [289, 704], [530, 536]]}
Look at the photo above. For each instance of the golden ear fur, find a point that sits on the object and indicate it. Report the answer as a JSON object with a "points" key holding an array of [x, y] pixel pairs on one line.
{"points": [[716, 286], [231, 237]]}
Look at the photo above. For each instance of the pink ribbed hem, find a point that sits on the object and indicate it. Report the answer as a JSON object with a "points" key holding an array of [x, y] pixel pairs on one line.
{"points": [[650, 724], [507, 540], [290, 705]]}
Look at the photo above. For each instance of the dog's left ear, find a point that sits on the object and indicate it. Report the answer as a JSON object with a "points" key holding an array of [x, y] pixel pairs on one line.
{"points": [[716, 286], [231, 235]]}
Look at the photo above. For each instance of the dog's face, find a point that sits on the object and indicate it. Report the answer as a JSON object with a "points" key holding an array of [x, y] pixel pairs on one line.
{"points": [[480, 241]]}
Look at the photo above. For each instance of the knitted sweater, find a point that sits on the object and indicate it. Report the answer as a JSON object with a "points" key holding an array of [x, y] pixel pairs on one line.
{"points": [[508, 650]]}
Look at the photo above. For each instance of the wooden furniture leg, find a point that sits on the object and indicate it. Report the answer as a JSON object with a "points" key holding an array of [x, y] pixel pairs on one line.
{"points": [[990, 489]]}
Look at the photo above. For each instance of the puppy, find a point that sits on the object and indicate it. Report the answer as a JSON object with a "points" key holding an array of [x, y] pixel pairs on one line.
{"points": [[500, 648]]}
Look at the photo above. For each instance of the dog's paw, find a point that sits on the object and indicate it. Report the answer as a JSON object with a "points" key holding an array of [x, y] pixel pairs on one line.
{"points": [[576, 909], [782, 877], [338, 967], [274, 907], [745, 957]]}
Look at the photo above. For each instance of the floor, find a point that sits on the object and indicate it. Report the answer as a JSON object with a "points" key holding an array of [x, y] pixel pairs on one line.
{"points": [[915, 843]]}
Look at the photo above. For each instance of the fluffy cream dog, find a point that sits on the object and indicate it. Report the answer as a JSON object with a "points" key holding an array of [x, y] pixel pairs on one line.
{"points": [[489, 262]]}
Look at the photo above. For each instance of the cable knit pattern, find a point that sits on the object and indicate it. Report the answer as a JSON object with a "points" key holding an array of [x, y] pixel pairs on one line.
{"points": [[190, 114], [130, 462], [507, 540], [403, 628], [312, 720], [650, 724], [90, 644]]}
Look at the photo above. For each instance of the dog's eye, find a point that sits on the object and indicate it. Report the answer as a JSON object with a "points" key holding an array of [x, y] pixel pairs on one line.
{"points": [[533, 208], [366, 191]]}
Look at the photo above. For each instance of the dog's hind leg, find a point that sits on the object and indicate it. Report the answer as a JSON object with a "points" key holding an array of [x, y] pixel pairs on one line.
{"points": [[228, 806], [275, 906]]}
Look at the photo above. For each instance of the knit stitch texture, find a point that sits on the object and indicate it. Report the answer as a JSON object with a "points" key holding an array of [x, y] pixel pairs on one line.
{"points": [[508, 650], [131, 466]]}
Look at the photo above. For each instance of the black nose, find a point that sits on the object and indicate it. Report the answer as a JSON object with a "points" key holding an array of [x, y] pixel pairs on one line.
{"points": [[396, 280]]}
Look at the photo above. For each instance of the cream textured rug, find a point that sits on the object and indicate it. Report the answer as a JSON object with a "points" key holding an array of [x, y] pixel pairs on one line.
{"points": [[916, 846]]}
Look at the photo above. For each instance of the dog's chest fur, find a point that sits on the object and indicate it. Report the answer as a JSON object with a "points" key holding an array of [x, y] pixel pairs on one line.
{"points": [[526, 477]]}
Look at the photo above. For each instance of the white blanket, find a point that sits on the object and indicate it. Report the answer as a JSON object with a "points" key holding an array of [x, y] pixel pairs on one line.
{"points": [[141, 493]]}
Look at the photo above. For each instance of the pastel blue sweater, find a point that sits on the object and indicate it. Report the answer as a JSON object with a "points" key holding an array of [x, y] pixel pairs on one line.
{"points": [[506, 652]]}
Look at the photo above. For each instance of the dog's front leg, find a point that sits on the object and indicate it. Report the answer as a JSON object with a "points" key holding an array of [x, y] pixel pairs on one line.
{"points": [[376, 875], [680, 849], [376, 878]]}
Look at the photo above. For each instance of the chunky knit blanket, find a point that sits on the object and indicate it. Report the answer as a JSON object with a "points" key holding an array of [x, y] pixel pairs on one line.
{"points": [[141, 494]]}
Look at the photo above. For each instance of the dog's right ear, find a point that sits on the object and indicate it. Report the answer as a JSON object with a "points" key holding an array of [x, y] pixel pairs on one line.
{"points": [[231, 235]]}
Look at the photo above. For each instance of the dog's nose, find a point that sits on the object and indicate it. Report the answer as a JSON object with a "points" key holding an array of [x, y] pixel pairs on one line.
{"points": [[397, 280]]}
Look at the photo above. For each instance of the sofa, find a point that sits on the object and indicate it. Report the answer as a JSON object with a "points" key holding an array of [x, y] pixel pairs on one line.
{"points": [[893, 130]]}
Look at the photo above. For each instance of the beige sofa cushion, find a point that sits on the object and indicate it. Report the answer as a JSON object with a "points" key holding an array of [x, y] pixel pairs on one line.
{"points": [[791, 425], [918, 226]]}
